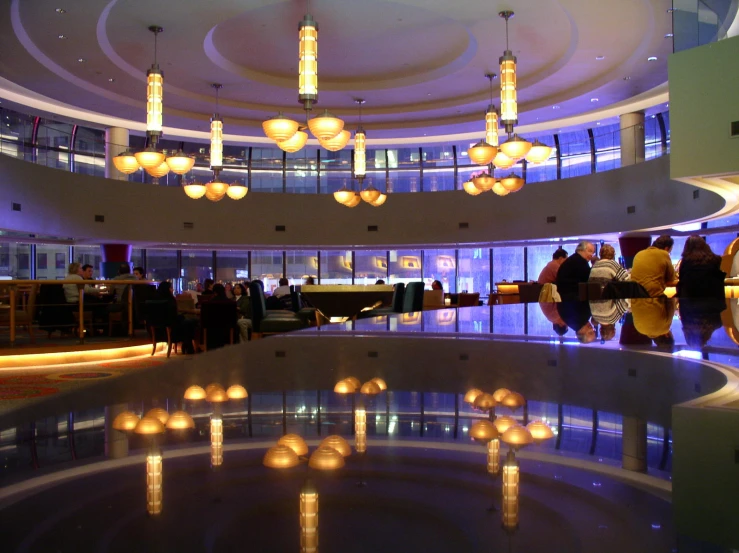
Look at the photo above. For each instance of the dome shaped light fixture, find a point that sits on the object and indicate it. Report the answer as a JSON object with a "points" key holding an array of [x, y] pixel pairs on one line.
{"points": [[338, 443], [150, 158], [237, 191], [294, 143], [237, 391], [216, 395], [539, 431], [195, 393], [125, 421], [500, 190], [294, 442], [484, 402], [180, 420], [512, 183], [471, 394], [482, 153], [516, 147], [279, 128], [194, 190], [179, 163], [215, 190], [504, 423], [344, 195], [355, 201], [158, 172], [380, 382], [354, 381], [149, 426], [471, 189], [344, 387], [326, 458], [539, 152], [514, 400], [517, 436], [500, 393], [280, 457], [325, 126], [126, 162], [338, 142], [370, 194], [370, 388], [483, 431], [483, 182], [502, 161], [158, 413], [381, 199]]}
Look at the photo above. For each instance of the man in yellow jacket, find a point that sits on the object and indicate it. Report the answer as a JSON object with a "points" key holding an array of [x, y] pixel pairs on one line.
{"points": [[653, 267]]}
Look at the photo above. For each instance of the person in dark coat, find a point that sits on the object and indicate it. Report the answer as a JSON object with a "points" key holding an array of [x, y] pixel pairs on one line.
{"points": [[700, 271], [574, 270]]}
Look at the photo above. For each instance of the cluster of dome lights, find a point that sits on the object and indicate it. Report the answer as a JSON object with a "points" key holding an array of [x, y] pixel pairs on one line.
{"points": [[290, 136]]}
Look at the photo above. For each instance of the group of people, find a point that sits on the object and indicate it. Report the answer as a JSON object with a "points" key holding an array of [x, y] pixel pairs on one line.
{"points": [[698, 273]]}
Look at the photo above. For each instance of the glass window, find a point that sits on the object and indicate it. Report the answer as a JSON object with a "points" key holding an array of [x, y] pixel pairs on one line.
{"points": [[376, 160], [266, 265], [161, 265], [508, 264], [438, 156], [539, 256], [197, 265], [53, 141], [89, 255], [609, 443], [89, 152], [404, 181], [15, 261], [404, 266], [577, 429], [301, 265], [575, 148], [462, 158], [509, 319], [302, 174], [331, 181], [436, 180], [607, 147], [371, 266], [233, 265], [266, 158], [403, 158], [473, 272], [718, 242], [16, 130], [440, 265], [336, 267], [652, 138], [337, 161], [137, 257]]}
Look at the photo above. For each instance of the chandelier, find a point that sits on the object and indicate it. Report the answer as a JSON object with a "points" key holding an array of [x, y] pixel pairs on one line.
{"points": [[152, 160], [289, 135]]}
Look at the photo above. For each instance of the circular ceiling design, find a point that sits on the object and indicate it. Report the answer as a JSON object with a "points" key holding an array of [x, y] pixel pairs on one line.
{"points": [[419, 65]]}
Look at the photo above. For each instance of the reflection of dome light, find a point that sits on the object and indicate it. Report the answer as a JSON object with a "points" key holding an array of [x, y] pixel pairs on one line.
{"points": [[339, 444], [500, 393], [484, 402], [483, 431], [539, 430], [380, 382], [125, 421], [280, 457], [158, 413], [470, 396], [237, 392], [180, 420], [370, 388], [326, 458], [514, 400], [504, 423], [194, 393], [148, 426], [517, 435], [294, 442], [344, 387]]}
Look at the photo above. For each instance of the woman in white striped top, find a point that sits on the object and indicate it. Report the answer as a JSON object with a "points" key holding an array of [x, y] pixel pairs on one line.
{"points": [[606, 269]]}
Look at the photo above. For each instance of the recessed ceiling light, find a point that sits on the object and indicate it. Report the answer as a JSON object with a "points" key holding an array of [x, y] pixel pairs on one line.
{"points": [[555, 107], [60, 11], [669, 35], [62, 37], [627, 78], [111, 80], [429, 94], [599, 58], [598, 123], [81, 60], [593, 99], [652, 58]]}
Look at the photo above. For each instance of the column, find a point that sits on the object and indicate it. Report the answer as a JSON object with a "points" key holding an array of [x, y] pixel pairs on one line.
{"points": [[116, 442], [632, 245], [634, 445], [632, 138], [116, 141], [113, 255]]}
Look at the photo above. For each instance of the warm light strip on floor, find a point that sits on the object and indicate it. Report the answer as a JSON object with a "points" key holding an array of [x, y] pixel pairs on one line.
{"points": [[82, 357]]}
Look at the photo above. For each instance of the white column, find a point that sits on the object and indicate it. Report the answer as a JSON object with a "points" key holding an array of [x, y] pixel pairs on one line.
{"points": [[632, 138], [116, 141], [634, 444]]}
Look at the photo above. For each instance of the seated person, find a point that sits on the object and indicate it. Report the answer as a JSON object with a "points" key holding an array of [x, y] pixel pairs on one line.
{"points": [[243, 305], [91, 300], [379, 281], [72, 291], [207, 287], [606, 269], [183, 329], [283, 289], [700, 271], [574, 270], [119, 291], [309, 281], [436, 285], [229, 290], [548, 274], [138, 273], [653, 267]]}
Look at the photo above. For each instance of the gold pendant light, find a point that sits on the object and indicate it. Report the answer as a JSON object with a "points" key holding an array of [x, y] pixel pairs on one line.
{"points": [[512, 183], [483, 182], [491, 116], [502, 161], [470, 188], [160, 171], [344, 195], [500, 190], [236, 191], [215, 190], [279, 128], [294, 143], [539, 153], [216, 135], [370, 194], [516, 147], [381, 199], [179, 163], [150, 158], [325, 126], [338, 142], [194, 190], [354, 201], [126, 162], [482, 153], [508, 99]]}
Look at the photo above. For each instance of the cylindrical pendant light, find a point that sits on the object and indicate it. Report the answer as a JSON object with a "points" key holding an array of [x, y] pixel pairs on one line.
{"points": [[491, 117], [279, 128], [216, 135], [154, 92], [308, 62], [360, 142], [508, 100]]}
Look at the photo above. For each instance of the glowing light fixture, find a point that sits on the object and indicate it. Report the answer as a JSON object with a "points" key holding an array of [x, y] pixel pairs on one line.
{"points": [[180, 420], [517, 436], [294, 143], [179, 163], [148, 426], [360, 429], [216, 441], [308, 518], [370, 194], [294, 442], [504, 423], [510, 492], [355, 201], [236, 391], [502, 161], [354, 381], [381, 199], [280, 457], [338, 142], [325, 126], [483, 431], [370, 388], [512, 183], [236, 191], [326, 458], [500, 393], [216, 395], [483, 182], [514, 400], [154, 479], [158, 413], [516, 147], [539, 431], [508, 101], [491, 117], [482, 153], [195, 393], [150, 158], [279, 128], [158, 172], [154, 92], [484, 402], [470, 396], [539, 152], [308, 61], [215, 190], [126, 162], [125, 421], [344, 387], [344, 195], [216, 135], [380, 382], [494, 456], [338, 443], [499, 189], [360, 148]]}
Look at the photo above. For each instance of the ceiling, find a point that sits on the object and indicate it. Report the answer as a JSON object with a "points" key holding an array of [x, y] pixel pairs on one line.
{"points": [[419, 64]]}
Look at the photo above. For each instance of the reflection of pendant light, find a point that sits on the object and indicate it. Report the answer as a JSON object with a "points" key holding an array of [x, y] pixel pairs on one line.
{"points": [[470, 188], [491, 117], [154, 482], [508, 104], [216, 441], [216, 135], [279, 128], [538, 153], [510, 492], [360, 429], [154, 92], [308, 61], [308, 518]]}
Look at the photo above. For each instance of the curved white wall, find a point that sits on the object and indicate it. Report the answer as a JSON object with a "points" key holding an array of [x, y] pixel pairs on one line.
{"points": [[63, 204]]}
